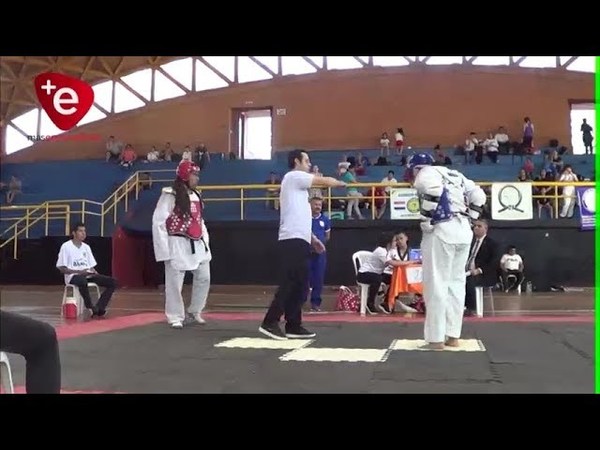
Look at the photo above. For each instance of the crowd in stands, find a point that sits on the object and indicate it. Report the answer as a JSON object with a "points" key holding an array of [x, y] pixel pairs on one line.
{"points": [[127, 157], [496, 145]]}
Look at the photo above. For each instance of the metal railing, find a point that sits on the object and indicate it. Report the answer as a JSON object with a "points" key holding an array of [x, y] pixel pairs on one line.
{"points": [[64, 209]]}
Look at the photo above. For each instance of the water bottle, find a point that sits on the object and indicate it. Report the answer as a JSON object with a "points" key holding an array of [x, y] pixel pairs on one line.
{"points": [[529, 287]]}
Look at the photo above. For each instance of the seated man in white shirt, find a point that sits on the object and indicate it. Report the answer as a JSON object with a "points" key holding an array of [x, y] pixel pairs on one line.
{"points": [[511, 264], [371, 270], [503, 141], [76, 261]]}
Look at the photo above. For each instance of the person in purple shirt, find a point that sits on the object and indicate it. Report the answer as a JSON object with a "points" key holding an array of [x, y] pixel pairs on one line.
{"points": [[321, 228], [527, 134]]}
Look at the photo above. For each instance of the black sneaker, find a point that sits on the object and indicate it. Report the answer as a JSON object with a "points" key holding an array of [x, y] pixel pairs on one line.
{"points": [[273, 331], [371, 310], [299, 332]]}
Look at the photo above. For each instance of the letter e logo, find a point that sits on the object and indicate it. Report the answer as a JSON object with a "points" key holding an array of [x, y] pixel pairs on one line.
{"points": [[65, 99]]}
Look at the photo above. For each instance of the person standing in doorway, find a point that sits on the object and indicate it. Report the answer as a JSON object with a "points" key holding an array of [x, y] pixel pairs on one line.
{"points": [[294, 247], [321, 229], [588, 138], [181, 241]]}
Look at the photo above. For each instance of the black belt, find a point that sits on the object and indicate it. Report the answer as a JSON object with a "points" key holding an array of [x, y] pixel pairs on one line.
{"points": [[193, 245], [429, 214]]}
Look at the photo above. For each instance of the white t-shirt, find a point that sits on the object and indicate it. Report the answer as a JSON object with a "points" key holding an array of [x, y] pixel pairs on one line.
{"points": [[376, 262], [75, 258], [386, 180], [392, 254], [295, 220], [501, 138], [511, 262]]}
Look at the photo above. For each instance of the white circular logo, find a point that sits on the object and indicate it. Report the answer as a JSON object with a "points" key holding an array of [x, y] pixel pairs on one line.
{"points": [[589, 200]]}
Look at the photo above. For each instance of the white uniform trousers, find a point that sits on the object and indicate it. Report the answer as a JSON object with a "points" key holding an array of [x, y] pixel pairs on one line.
{"points": [[443, 287], [174, 306]]}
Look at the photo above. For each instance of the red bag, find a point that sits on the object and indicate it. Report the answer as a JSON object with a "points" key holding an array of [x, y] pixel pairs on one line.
{"points": [[347, 300]]}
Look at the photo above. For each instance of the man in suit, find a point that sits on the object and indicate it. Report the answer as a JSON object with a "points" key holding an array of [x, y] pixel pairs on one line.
{"points": [[482, 264]]}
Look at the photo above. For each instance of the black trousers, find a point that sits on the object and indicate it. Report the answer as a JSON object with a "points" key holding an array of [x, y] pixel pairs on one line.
{"points": [[110, 284], [470, 299], [36, 342], [516, 273], [294, 260], [374, 281]]}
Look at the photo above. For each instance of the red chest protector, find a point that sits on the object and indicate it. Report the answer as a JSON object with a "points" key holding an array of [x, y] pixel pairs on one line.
{"points": [[189, 226]]}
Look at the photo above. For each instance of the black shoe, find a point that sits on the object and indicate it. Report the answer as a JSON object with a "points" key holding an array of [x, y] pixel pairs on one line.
{"points": [[98, 312], [273, 331], [371, 310], [298, 332]]}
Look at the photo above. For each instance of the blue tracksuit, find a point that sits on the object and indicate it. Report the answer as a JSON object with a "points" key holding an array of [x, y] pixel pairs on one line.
{"points": [[318, 262]]}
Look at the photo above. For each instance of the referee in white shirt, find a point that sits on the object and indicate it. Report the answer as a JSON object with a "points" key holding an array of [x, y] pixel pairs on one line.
{"points": [[295, 240]]}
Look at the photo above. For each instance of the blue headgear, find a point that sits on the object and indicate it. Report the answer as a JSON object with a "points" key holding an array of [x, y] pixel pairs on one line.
{"points": [[420, 159]]}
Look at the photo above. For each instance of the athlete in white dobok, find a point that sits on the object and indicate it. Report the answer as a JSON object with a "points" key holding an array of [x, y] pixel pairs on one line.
{"points": [[180, 239], [449, 201]]}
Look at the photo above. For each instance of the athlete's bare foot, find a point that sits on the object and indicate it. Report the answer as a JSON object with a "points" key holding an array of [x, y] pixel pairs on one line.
{"points": [[433, 346], [452, 342]]}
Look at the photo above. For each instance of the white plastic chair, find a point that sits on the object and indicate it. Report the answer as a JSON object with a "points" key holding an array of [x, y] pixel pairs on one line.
{"points": [[76, 296], [358, 259], [479, 300], [6, 374]]}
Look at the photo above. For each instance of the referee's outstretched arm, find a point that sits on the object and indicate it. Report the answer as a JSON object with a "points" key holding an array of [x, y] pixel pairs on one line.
{"points": [[318, 182]]}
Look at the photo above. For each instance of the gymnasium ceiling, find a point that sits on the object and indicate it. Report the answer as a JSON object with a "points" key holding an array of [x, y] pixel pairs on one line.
{"points": [[17, 93]]}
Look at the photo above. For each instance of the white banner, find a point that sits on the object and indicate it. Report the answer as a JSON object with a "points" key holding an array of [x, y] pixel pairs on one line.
{"points": [[512, 201], [404, 204]]}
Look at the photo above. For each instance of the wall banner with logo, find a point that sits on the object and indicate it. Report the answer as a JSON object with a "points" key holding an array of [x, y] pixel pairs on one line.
{"points": [[586, 198], [404, 204], [512, 201]]}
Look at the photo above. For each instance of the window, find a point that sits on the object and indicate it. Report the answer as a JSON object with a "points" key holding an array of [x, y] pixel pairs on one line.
{"points": [[165, 88], [15, 141], [181, 71], [224, 64], [249, 71], [207, 79], [140, 82], [125, 100], [103, 94], [295, 65]]}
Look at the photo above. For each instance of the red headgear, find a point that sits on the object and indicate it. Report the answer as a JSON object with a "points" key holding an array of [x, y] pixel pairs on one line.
{"points": [[187, 168]]}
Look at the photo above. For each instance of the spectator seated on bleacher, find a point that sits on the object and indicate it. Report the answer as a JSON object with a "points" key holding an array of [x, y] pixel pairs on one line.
{"points": [[128, 157], [201, 156], [113, 149], [504, 145], [528, 166], [545, 202], [12, 189], [167, 153], [440, 157], [186, 154], [153, 155]]}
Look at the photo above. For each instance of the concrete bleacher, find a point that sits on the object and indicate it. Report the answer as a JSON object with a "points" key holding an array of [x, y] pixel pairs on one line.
{"points": [[96, 180]]}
